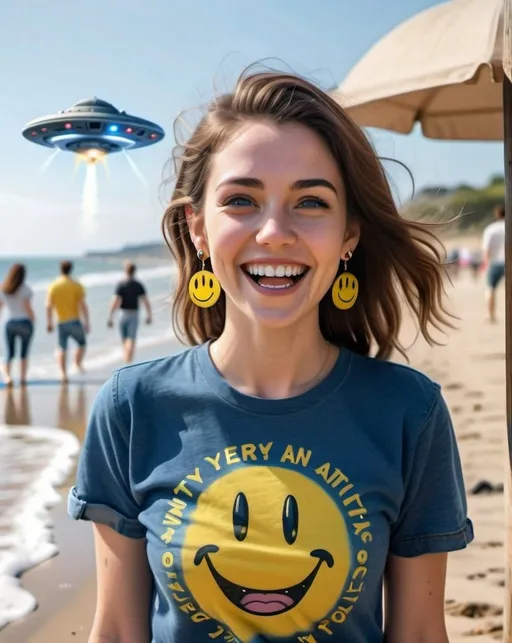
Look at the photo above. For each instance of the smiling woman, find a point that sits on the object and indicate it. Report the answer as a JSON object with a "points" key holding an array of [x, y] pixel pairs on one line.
{"points": [[266, 483]]}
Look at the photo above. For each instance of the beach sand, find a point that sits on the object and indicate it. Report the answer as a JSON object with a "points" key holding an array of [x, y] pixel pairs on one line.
{"points": [[471, 369]]}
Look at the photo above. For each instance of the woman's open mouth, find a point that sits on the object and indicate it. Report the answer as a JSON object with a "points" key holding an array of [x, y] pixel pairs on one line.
{"points": [[275, 276]]}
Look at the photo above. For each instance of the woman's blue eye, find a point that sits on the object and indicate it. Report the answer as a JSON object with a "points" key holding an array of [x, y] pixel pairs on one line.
{"points": [[239, 201], [312, 203]]}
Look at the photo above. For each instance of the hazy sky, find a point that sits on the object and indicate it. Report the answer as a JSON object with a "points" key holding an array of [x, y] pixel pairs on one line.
{"points": [[154, 59]]}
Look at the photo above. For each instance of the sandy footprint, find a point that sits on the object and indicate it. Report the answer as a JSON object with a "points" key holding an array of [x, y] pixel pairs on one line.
{"points": [[490, 544], [454, 386], [489, 356], [494, 629], [473, 609], [473, 435], [473, 394]]}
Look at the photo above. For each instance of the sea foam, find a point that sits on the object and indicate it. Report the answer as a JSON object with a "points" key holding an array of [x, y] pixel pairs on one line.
{"points": [[111, 277], [33, 461]]}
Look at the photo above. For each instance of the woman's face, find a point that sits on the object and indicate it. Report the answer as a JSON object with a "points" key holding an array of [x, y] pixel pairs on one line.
{"points": [[274, 222]]}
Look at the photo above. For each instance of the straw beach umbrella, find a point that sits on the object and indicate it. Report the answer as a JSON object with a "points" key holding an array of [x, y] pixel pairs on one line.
{"points": [[443, 68], [450, 69]]}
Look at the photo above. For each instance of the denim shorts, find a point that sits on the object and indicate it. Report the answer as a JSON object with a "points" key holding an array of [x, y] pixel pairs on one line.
{"points": [[71, 329], [129, 324], [21, 329], [495, 274]]}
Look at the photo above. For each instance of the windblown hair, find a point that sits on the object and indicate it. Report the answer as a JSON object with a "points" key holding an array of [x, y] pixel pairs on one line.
{"points": [[396, 261], [14, 279]]}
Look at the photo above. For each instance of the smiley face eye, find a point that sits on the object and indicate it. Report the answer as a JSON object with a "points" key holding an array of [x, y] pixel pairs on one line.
{"points": [[290, 520], [196, 284], [240, 517], [211, 284]]}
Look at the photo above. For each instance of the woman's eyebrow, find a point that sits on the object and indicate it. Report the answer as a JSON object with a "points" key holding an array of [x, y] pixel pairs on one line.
{"points": [[301, 184]]}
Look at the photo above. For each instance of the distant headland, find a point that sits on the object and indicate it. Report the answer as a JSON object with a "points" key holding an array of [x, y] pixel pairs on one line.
{"points": [[134, 252]]}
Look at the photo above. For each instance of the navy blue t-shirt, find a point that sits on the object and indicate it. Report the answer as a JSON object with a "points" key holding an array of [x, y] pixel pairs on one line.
{"points": [[129, 291], [271, 520]]}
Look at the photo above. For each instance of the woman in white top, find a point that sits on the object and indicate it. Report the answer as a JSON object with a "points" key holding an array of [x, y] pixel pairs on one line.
{"points": [[18, 317]]}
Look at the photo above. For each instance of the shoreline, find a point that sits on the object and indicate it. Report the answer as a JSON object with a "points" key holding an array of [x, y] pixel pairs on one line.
{"points": [[68, 579], [470, 368]]}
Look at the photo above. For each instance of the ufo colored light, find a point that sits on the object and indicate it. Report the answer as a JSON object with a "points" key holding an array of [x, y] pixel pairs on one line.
{"points": [[93, 128]]}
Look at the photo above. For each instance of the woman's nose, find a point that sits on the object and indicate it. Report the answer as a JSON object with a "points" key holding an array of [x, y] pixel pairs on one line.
{"points": [[276, 230]]}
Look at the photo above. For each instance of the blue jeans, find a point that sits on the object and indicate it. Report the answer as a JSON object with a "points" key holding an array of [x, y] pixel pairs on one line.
{"points": [[128, 324], [495, 274], [21, 329], [73, 329]]}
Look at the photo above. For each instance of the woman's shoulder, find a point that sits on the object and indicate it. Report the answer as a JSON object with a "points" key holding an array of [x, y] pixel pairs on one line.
{"points": [[164, 375], [396, 385]]}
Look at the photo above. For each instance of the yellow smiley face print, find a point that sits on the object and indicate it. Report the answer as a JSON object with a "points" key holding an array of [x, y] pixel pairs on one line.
{"points": [[345, 290], [204, 289], [267, 552]]}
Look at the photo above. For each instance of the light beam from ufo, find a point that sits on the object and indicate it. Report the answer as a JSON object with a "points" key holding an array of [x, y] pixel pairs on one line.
{"points": [[136, 170], [48, 162]]}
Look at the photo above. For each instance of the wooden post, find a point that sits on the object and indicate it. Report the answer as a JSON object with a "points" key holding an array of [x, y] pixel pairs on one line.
{"points": [[507, 122]]}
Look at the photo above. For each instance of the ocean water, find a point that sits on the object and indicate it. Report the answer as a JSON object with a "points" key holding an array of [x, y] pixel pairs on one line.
{"points": [[35, 460], [99, 278]]}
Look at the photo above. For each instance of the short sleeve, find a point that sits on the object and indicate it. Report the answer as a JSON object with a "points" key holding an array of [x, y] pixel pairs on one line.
{"points": [[119, 289], [27, 292], [433, 516], [142, 290], [102, 491], [81, 290]]}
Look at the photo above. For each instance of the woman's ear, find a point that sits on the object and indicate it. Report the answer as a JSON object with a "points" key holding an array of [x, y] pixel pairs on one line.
{"points": [[352, 236], [195, 223]]}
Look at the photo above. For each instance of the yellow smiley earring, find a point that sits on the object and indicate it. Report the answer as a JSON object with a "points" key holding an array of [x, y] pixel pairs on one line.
{"points": [[203, 287], [345, 288]]}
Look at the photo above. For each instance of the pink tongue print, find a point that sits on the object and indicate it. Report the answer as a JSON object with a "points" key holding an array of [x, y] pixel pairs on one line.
{"points": [[266, 603]]}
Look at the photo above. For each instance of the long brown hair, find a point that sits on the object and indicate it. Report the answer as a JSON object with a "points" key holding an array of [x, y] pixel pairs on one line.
{"points": [[396, 261], [14, 279]]}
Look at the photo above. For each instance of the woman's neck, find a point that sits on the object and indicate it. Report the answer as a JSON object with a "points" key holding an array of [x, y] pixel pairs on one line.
{"points": [[273, 363]]}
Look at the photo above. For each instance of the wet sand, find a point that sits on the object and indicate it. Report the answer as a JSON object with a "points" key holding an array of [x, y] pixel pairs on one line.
{"points": [[471, 369]]}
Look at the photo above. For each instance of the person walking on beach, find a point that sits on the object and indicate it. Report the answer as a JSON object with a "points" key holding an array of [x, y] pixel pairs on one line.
{"points": [[66, 297], [18, 318], [267, 482], [493, 246], [127, 296]]}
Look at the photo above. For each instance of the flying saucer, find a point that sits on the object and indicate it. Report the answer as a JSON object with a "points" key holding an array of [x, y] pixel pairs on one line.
{"points": [[93, 128]]}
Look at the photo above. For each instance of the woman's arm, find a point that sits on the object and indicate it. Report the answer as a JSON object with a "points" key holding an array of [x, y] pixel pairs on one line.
{"points": [[124, 587], [415, 599]]}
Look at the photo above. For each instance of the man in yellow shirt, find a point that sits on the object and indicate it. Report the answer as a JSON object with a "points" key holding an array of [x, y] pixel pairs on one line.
{"points": [[67, 297]]}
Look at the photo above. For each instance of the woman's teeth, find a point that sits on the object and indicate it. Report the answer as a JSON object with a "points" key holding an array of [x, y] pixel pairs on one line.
{"points": [[259, 270], [275, 277]]}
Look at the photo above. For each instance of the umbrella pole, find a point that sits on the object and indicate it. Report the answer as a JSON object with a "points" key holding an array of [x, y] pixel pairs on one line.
{"points": [[507, 123], [507, 116]]}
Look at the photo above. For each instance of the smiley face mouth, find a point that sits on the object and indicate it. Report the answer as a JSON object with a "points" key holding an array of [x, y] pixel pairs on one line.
{"points": [[204, 300], [266, 602], [345, 301]]}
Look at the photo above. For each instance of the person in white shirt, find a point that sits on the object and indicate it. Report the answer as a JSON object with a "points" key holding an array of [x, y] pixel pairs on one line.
{"points": [[493, 246], [18, 318]]}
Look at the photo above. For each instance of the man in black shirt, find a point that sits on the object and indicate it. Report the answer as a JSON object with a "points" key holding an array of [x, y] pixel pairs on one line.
{"points": [[126, 298]]}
